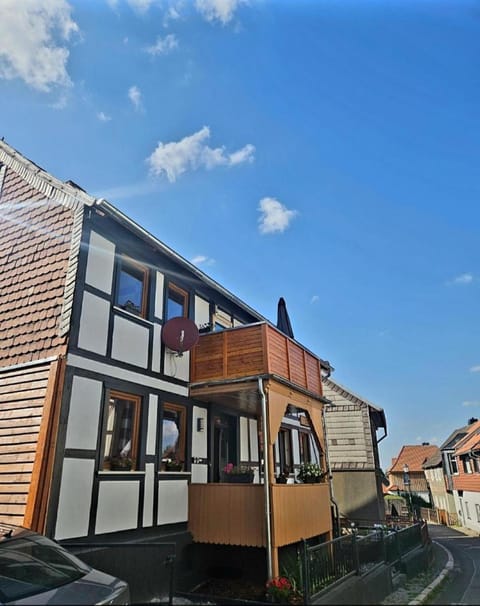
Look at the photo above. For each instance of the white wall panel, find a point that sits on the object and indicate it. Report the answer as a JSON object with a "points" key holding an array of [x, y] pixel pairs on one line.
{"points": [[84, 414], [295, 447], [157, 347], [172, 501], [93, 330], [177, 366], [75, 498], [148, 495], [159, 295], [199, 438], [253, 428], [100, 263], [202, 311], [199, 473], [244, 452], [130, 342], [152, 424], [117, 506]]}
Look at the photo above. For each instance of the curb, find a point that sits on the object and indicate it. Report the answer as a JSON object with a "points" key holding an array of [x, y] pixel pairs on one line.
{"points": [[421, 597]]}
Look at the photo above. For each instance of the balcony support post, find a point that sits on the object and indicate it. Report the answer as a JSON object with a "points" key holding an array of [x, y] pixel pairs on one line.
{"points": [[266, 481]]}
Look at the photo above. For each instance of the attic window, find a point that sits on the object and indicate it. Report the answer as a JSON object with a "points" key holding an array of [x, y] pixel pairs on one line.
{"points": [[132, 287]]}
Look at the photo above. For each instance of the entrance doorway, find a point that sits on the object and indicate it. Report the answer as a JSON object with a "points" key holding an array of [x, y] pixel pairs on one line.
{"points": [[224, 443]]}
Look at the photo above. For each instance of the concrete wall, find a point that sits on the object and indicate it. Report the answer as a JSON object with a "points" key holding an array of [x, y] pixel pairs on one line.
{"points": [[357, 496]]}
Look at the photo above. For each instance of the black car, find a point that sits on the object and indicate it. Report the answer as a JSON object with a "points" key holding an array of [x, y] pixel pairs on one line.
{"points": [[37, 570]]}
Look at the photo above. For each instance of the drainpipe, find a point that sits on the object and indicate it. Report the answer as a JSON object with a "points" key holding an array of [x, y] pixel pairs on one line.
{"points": [[266, 446], [332, 499]]}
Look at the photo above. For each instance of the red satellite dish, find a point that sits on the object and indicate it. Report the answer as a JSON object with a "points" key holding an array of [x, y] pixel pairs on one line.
{"points": [[180, 334]]}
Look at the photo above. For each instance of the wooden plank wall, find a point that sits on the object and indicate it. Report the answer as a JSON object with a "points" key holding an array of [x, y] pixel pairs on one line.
{"points": [[22, 397]]}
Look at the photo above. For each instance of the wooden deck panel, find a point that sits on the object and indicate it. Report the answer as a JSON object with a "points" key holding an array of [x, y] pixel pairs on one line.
{"points": [[252, 350], [227, 514], [300, 512]]}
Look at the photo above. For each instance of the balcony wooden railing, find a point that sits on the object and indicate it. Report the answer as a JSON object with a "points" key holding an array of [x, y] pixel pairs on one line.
{"points": [[234, 514], [254, 350]]}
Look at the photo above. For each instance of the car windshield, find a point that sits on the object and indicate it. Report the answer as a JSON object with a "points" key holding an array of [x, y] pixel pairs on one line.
{"points": [[34, 564]]}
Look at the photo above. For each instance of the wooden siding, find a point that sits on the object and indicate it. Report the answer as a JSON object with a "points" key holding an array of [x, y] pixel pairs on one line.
{"points": [[254, 350], [227, 514], [234, 514], [349, 438], [300, 512], [22, 397], [466, 481]]}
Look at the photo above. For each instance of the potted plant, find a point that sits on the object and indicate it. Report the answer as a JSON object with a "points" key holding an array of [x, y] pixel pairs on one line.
{"points": [[173, 465], [310, 473], [238, 474], [279, 590], [121, 463]]}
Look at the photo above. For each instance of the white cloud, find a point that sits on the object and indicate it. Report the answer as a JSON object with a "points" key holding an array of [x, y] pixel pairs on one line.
{"points": [[471, 403], [135, 97], [475, 369], [192, 152], [218, 10], [315, 299], [140, 6], [465, 278], [103, 117], [275, 217], [163, 45], [202, 260], [31, 36], [172, 13]]}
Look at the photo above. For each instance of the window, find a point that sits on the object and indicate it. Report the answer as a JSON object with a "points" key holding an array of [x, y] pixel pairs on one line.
{"points": [[467, 465], [173, 435], [132, 288], [221, 320], [120, 437], [285, 449], [467, 510], [304, 439], [177, 302], [453, 463]]}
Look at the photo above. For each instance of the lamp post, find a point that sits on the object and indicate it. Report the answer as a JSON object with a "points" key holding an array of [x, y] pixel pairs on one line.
{"points": [[406, 483]]}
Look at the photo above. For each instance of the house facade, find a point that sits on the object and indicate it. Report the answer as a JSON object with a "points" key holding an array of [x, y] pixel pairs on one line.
{"points": [[106, 431], [466, 477], [407, 473], [351, 426]]}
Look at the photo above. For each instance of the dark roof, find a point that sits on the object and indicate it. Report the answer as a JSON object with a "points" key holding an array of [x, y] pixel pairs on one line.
{"points": [[434, 461], [454, 437]]}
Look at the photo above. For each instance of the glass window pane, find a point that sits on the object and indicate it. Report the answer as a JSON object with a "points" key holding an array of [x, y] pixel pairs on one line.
{"points": [[173, 438], [120, 440], [130, 291]]}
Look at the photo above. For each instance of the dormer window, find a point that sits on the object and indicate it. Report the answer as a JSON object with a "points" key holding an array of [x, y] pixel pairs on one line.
{"points": [[132, 287]]}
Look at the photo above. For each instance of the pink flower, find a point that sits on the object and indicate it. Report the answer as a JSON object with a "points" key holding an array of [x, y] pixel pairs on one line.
{"points": [[228, 467]]}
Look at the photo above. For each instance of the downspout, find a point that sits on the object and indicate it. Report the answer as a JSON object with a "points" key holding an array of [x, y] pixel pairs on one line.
{"points": [[327, 456], [266, 446]]}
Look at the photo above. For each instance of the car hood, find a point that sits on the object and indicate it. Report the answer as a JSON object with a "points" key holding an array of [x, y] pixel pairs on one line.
{"points": [[96, 587]]}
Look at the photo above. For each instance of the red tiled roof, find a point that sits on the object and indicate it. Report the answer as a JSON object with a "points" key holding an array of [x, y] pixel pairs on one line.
{"points": [[414, 456], [35, 235], [470, 441]]}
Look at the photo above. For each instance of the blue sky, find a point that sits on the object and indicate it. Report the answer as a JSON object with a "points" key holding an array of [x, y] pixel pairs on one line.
{"points": [[323, 151]]}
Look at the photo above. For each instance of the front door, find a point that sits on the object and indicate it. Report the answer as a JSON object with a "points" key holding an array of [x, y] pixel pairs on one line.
{"points": [[224, 443]]}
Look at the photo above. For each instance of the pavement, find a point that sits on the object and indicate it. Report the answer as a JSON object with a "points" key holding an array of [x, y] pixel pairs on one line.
{"points": [[417, 590]]}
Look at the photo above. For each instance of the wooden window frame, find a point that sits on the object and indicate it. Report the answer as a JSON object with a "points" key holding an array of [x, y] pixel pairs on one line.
{"points": [[124, 264], [182, 441], [137, 400], [286, 432], [304, 457], [178, 291]]}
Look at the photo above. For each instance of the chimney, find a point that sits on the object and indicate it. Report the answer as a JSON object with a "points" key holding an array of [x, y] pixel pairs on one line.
{"points": [[425, 443]]}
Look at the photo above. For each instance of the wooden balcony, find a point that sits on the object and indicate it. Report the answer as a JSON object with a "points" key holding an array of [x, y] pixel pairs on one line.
{"points": [[234, 514], [253, 350]]}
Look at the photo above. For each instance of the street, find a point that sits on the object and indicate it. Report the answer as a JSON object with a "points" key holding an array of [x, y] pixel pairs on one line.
{"points": [[463, 586]]}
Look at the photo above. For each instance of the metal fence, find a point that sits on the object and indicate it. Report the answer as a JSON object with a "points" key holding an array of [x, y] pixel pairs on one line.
{"points": [[355, 553]]}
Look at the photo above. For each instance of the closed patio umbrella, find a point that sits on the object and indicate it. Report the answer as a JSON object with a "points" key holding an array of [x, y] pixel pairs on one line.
{"points": [[283, 321]]}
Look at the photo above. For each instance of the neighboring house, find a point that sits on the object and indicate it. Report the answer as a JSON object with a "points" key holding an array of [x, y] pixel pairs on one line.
{"points": [[433, 470], [414, 457], [449, 466], [85, 377], [351, 425], [466, 477]]}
